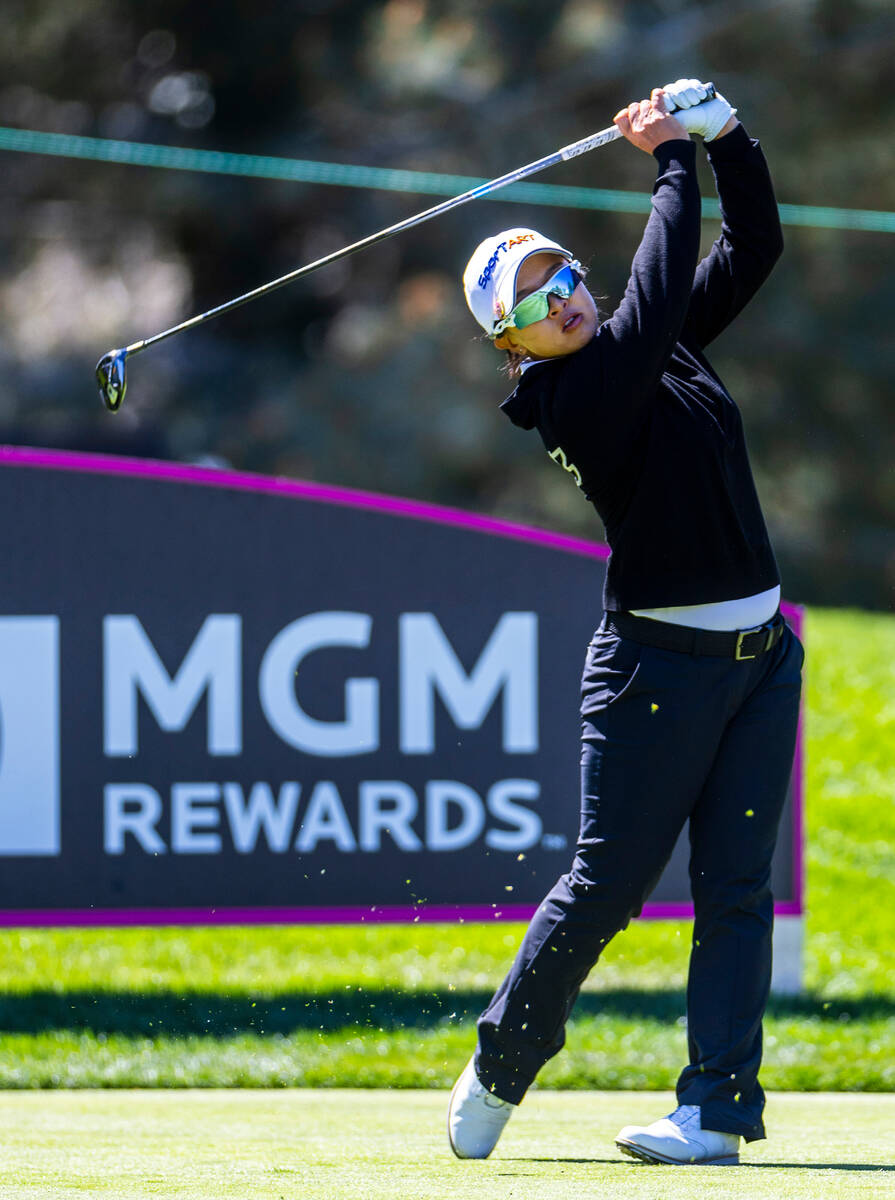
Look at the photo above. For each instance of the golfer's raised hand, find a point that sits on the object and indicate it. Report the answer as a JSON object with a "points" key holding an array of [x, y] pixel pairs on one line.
{"points": [[709, 118], [646, 124]]}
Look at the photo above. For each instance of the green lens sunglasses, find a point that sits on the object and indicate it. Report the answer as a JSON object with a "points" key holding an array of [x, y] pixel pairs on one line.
{"points": [[536, 306]]}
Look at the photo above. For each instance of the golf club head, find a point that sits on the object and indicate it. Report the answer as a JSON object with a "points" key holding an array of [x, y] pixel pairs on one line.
{"points": [[112, 378]]}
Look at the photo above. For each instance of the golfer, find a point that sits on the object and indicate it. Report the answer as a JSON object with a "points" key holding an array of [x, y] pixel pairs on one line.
{"points": [[691, 684]]}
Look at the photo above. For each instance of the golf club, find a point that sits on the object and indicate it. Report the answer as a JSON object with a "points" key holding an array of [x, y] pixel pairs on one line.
{"points": [[111, 370]]}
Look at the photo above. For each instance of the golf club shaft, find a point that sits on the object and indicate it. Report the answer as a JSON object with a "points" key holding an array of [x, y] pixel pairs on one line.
{"points": [[483, 189], [573, 150]]}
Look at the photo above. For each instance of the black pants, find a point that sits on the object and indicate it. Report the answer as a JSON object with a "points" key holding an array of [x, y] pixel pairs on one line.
{"points": [[666, 736]]}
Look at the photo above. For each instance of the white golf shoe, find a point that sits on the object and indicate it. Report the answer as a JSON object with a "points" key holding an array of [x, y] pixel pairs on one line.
{"points": [[475, 1117], [679, 1139]]}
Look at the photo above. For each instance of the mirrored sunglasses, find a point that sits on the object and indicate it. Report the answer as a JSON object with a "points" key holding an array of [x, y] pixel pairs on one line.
{"points": [[536, 306]]}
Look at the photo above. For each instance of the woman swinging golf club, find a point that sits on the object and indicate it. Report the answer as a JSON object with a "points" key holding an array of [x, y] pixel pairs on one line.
{"points": [[691, 684]]}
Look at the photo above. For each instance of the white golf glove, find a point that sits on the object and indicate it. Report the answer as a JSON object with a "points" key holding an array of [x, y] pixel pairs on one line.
{"points": [[686, 97]]}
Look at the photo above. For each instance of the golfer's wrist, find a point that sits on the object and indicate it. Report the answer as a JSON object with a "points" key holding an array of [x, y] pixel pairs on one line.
{"points": [[728, 128]]}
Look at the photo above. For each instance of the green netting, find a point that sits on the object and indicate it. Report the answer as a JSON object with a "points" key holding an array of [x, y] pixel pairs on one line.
{"points": [[30, 141]]}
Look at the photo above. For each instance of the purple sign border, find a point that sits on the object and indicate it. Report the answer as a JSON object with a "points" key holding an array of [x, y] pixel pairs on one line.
{"points": [[108, 464]]}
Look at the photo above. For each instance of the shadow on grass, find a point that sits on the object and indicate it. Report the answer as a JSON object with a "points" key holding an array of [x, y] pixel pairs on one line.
{"points": [[820, 1166], [779, 1166], [660, 1169], [165, 1013]]}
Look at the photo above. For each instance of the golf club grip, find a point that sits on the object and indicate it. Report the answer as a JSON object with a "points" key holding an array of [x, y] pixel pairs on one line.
{"points": [[709, 95], [611, 134]]}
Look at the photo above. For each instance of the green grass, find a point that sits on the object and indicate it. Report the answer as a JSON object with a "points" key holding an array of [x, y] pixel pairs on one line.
{"points": [[295, 1145], [395, 1005]]}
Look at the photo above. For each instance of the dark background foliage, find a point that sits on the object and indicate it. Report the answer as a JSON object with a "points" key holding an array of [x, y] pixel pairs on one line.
{"points": [[369, 373]]}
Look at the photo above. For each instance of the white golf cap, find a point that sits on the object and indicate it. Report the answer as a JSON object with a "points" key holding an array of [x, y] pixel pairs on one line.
{"points": [[490, 276]]}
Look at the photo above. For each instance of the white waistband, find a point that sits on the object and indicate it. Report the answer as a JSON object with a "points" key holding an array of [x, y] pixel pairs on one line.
{"points": [[746, 613]]}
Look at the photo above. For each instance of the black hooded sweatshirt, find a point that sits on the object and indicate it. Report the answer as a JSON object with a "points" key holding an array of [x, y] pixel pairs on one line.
{"points": [[639, 418]]}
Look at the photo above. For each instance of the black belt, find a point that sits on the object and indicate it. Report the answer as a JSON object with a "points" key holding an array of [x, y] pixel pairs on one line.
{"points": [[737, 644]]}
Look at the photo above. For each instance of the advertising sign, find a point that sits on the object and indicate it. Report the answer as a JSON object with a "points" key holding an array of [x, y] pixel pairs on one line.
{"points": [[231, 698]]}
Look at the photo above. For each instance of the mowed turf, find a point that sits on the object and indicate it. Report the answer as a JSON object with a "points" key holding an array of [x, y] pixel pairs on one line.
{"points": [[394, 1006], [362, 1145]]}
